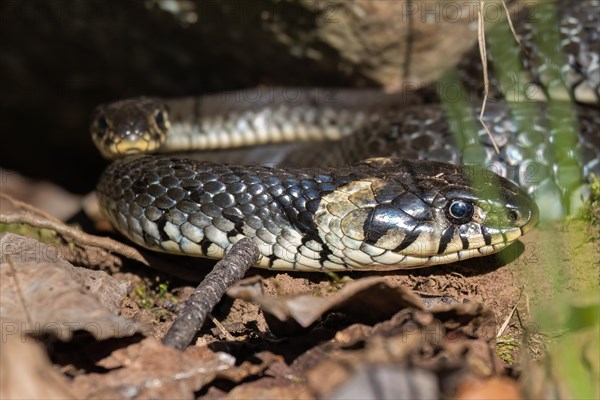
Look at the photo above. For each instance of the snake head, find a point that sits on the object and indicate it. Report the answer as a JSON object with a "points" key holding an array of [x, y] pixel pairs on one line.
{"points": [[408, 214], [131, 126]]}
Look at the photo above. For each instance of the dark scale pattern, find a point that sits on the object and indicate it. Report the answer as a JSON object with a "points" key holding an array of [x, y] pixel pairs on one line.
{"points": [[178, 199], [384, 217], [572, 71]]}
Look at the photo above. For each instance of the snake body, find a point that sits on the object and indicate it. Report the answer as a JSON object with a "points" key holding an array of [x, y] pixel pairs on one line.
{"points": [[380, 214]]}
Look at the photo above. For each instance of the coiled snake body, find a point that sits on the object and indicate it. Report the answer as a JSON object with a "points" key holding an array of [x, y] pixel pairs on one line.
{"points": [[380, 214]]}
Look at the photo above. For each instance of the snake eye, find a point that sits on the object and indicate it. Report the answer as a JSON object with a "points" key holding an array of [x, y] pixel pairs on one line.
{"points": [[159, 118], [460, 212]]}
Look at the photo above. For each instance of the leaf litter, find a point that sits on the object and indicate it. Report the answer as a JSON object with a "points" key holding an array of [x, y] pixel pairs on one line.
{"points": [[277, 336]]}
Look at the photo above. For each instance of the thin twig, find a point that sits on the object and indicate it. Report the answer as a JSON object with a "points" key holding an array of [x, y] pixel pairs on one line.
{"points": [[512, 27], [74, 235], [509, 317], [484, 63], [222, 329], [196, 308]]}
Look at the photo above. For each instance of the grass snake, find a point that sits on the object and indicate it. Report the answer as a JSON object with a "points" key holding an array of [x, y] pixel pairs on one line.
{"points": [[383, 213]]}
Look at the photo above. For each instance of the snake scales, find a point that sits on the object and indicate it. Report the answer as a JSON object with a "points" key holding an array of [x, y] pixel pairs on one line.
{"points": [[380, 214]]}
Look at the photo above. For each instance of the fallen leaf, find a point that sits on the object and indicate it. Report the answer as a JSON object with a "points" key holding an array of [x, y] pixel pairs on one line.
{"points": [[41, 293], [26, 372], [497, 388], [388, 383], [149, 369], [247, 368], [41, 194], [369, 299], [412, 339], [398, 349], [274, 391]]}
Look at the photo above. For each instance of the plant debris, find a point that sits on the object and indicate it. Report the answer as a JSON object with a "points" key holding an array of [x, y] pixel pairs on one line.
{"points": [[42, 294]]}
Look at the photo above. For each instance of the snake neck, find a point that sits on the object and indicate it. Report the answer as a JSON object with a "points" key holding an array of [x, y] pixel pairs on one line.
{"points": [[274, 115]]}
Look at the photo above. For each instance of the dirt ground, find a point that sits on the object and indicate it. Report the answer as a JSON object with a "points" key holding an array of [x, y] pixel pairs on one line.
{"points": [[510, 283]]}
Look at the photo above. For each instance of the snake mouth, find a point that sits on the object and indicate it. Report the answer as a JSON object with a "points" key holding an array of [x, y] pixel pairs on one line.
{"points": [[131, 144]]}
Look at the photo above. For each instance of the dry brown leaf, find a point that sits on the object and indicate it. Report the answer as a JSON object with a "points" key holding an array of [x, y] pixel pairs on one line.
{"points": [[275, 391], [388, 383], [413, 339], [399, 343], [149, 369], [42, 293], [496, 388], [42, 194], [371, 299], [278, 382], [241, 372], [26, 372]]}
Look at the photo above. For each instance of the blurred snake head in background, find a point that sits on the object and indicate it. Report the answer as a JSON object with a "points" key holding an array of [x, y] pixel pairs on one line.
{"points": [[131, 126]]}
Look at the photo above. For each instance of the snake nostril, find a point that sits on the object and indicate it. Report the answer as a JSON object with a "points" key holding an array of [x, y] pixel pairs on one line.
{"points": [[102, 123], [521, 210], [514, 215], [159, 118]]}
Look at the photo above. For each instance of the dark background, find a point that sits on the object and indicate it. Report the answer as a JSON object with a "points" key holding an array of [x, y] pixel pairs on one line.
{"points": [[59, 59]]}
